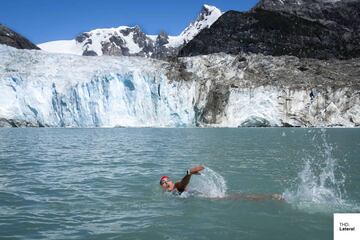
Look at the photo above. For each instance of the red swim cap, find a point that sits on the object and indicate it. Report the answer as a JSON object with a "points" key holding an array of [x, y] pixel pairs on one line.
{"points": [[163, 177]]}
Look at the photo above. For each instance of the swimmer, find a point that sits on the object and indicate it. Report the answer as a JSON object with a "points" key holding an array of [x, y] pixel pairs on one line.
{"points": [[179, 186]]}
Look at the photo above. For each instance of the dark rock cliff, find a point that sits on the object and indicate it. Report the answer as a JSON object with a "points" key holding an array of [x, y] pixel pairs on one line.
{"points": [[306, 29], [13, 39]]}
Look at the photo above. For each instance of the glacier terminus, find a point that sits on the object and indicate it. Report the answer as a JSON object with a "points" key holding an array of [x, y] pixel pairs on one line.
{"points": [[42, 89]]}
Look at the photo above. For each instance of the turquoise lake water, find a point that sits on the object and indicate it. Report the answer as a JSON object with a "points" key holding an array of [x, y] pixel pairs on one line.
{"points": [[104, 183]]}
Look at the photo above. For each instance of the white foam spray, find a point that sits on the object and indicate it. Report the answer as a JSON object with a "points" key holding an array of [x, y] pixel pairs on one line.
{"points": [[209, 184], [320, 185]]}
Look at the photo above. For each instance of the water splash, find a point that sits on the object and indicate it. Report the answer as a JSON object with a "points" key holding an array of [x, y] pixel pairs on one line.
{"points": [[209, 184], [321, 184]]}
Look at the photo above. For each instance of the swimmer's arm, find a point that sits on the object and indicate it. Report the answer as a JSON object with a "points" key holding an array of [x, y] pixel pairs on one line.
{"points": [[181, 186], [196, 170]]}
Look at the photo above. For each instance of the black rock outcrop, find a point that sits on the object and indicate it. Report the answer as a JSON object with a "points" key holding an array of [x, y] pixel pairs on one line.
{"points": [[302, 28], [13, 39]]}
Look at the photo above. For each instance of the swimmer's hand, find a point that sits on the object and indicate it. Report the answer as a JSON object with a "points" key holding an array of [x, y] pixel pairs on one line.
{"points": [[196, 170]]}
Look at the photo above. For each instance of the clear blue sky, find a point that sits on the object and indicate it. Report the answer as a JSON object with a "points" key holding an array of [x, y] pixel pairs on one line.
{"points": [[47, 20]]}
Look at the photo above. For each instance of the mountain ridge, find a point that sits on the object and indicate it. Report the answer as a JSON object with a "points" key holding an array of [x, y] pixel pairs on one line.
{"points": [[283, 29], [132, 41]]}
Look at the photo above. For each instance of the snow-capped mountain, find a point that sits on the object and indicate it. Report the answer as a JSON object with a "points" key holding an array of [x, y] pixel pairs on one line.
{"points": [[208, 15], [132, 41]]}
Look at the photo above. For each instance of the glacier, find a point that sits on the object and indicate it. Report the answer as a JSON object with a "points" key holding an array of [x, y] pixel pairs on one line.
{"points": [[59, 90], [41, 89]]}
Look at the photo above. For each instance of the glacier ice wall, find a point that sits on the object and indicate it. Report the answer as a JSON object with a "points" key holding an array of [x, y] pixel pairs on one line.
{"points": [[69, 91], [55, 90]]}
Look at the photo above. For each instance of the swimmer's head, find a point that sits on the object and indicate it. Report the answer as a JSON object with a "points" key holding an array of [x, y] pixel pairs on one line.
{"points": [[166, 183]]}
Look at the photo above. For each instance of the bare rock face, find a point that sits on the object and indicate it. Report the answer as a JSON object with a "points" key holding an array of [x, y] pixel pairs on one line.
{"points": [[8, 123], [217, 100], [13, 39], [82, 37], [161, 49], [306, 29], [341, 12]]}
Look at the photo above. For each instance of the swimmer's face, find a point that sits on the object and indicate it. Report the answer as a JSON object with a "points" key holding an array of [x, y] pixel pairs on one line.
{"points": [[167, 184]]}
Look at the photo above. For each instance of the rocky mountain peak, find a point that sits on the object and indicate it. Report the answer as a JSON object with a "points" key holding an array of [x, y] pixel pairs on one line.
{"points": [[208, 15], [162, 39], [13, 39], [207, 10]]}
